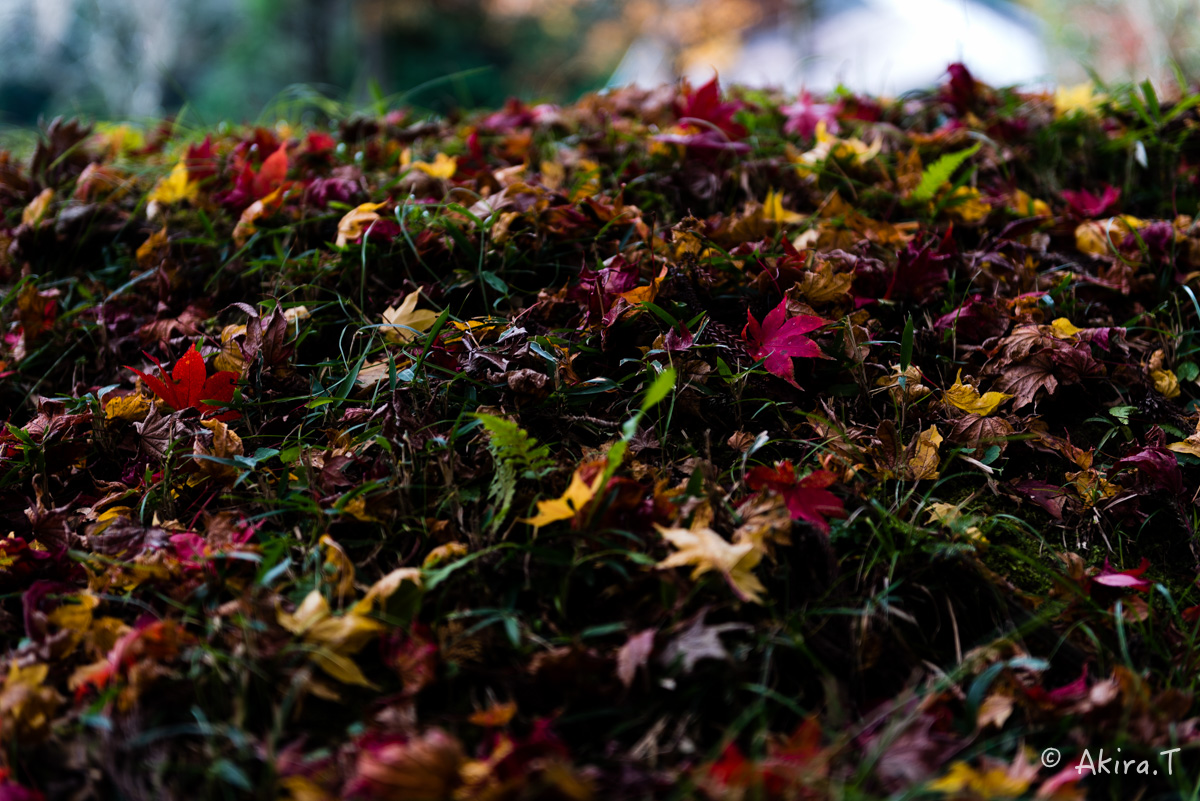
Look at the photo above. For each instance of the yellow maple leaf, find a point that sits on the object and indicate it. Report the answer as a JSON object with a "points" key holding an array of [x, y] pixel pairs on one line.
{"points": [[707, 550], [966, 397], [133, 408], [443, 166], [967, 205], [356, 221], [334, 639], [565, 506], [175, 187], [404, 322], [1062, 328], [645, 294], [1022, 203], [994, 782], [925, 458], [1081, 98], [1100, 237], [773, 210]]}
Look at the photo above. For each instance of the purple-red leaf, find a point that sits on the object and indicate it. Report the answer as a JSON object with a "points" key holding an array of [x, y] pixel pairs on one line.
{"points": [[778, 340]]}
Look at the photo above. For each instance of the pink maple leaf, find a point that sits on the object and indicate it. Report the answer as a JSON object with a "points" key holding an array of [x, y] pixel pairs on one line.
{"points": [[1131, 579], [1084, 204], [778, 340]]}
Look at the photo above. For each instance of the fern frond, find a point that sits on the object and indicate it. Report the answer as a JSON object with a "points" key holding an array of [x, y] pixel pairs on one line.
{"points": [[516, 455]]}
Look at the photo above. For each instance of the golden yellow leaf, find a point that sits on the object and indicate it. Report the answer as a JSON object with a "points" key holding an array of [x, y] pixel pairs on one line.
{"points": [[133, 408], [443, 166], [336, 639], [26, 706], [1021, 203], [773, 210], [589, 171], [1191, 445], [302, 788], [1100, 237], [225, 445], [246, 224], [645, 294], [1062, 328], [74, 614], [338, 568], [313, 608], [442, 553], [924, 462], [230, 358], [175, 187], [967, 205], [949, 515], [356, 221], [495, 716], [566, 505], [706, 550], [36, 210], [147, 251], [1081, 97], [1165, 383], [403, 323], [966, 397], [388, 586], [992, 783], [341, 667]]}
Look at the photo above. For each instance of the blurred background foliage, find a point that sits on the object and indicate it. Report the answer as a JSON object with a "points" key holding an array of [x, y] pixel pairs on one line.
{"points": [[235, 59]]}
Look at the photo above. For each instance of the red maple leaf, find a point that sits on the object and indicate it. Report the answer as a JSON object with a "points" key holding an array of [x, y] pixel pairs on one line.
{"points": [[807, 499], [1084, 204], [190, 387], [705, 104], [779, 340]]}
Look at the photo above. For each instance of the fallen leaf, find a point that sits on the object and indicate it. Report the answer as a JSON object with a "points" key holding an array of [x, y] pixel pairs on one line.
{"points": [[706, 550], [356, 221], [404, 322], [923, 464], [634, 654], [567, 505], [190, 387], [966, 397], [778, 340]]}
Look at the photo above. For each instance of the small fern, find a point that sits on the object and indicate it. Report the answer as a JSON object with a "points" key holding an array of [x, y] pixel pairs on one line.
{"points": [[937, 174], [517, 455]]}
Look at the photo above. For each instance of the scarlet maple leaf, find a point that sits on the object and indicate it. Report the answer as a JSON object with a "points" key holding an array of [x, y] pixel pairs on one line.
{"points": [[807, 499], [190, 387], [705, 104], [779, 340]]}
